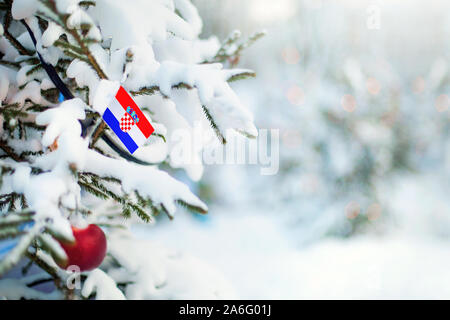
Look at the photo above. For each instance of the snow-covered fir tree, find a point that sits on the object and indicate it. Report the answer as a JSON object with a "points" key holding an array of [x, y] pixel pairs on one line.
{"points": [[61, 166]]}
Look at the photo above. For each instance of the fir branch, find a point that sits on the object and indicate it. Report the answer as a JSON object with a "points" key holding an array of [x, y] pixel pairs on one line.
{"points": [[8, 233], [66, 45], [230, 53], [109, 179], [31, 153], [94, 186], [146, 91], [214, 125], [76, 56], [108, 192], [164, 209], [97, 133], [86, 187], [14, 256], [14, 65], [55, 19], [53, 272], [232, 38], [126, 212], [28, 60], [10, 151], [51, 94], [160, 136], [48, 244], [21, 129], [89, 41], [34, 69], [24, 203], [12, 201], [76, 36], [93, 62], [14, 42], [136, 208], [33, 126], [140, 212], [251, 40], [191, 207], [13, 219], [103, 153], [182, 85], [111, 225], [10, 110], [37, 108], [241, 76]]}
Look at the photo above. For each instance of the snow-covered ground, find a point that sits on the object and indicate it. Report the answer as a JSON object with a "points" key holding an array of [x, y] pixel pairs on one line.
{"points": [[256, 254]]}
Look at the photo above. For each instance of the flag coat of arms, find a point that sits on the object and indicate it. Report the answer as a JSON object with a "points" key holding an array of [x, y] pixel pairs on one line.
{"points": [[127, 121]]}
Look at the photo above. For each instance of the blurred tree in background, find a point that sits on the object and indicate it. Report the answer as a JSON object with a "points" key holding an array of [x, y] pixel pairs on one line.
{"points": [[360, 97]]}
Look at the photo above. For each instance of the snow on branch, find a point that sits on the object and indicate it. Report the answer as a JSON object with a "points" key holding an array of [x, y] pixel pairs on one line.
{"points": [[62, 123], [214, 92], [150, 182]]}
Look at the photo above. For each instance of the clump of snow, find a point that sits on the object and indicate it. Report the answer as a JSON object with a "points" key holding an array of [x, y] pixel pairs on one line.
{"points": [[63, 118], [104, 286], [51, 34], [105, 92], [189, 13], [84, 76], [66, 6], [22, 9], [163, 20]]}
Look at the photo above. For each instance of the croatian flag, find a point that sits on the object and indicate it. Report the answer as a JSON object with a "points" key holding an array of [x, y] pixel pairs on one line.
{"points": [[128, 122]]}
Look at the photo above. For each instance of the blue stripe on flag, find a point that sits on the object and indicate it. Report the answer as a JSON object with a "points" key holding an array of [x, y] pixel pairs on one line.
{"points": [[114, 124]]}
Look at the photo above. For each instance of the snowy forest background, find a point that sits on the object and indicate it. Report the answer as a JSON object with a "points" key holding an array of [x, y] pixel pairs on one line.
{"points": [[359, 208]]}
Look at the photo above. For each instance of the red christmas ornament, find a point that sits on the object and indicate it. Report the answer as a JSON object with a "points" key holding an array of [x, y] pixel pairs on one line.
{"points": [[89, 248]]}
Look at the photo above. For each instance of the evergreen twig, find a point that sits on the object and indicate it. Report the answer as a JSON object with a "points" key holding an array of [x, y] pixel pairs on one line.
{"points": [[10, 151], [214, 125]]}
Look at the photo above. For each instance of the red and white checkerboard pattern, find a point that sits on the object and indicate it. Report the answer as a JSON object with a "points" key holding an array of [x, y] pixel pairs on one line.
{"points": [[126, 122]]}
